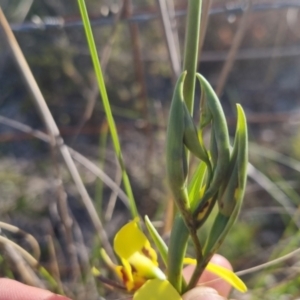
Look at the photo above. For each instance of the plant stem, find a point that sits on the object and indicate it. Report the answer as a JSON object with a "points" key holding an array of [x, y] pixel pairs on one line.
{"points": [[191, 51], [106, 104], [180, 233], [177, 249]]}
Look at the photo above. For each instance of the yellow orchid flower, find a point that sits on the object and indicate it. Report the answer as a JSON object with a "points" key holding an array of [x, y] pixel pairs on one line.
{"points": [[140, 272], [138, 258]]}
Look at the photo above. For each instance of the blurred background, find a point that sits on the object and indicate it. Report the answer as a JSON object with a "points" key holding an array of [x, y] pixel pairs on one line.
{"points": [[250, 53]]}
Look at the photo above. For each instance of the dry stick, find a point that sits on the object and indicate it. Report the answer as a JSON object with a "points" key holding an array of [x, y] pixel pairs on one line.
{"points": [[167, 13], [86, 92], [28, 237], [21, 11], [27, 256], [77, 156], [67, 223], [272, 189], [170, 40], [204, 22], [234, 49], [21, 267], [64, 217], [171, 12], [113, 197], [55, 226], [273, 64], [22, 261], [99, 173], [82, 251], [54, 131], [53, 261], [252, 54], [269, 263], [175, 61], [107, 50], [137, 59]]}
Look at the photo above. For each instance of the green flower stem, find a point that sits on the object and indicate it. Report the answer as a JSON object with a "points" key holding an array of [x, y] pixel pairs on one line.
{"points": [[191, 51], [106, 104], [177, 249], [180, 233], [182, 131], [198, 271]]}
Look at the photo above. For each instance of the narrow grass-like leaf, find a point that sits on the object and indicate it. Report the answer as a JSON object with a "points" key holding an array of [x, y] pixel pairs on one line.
{"points": [[52, 282], [106, 103], [158, 241], [274, 155]]}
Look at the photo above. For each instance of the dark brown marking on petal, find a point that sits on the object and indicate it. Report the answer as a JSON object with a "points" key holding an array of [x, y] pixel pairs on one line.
{"points": [[124, 276], [133, 269], [146, 252], [203, 210]]}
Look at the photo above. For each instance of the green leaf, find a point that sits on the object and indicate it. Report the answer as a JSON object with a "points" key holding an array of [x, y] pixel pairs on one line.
{"points": [[196, 186], [158, 241], [176, 158], [192, 140], [221, 155], [220, 131], [233, 189], [106, 103]]}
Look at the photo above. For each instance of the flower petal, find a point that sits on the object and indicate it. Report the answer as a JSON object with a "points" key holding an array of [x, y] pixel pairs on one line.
{"points": [[139, 260], [123, 272], [131, 239], [157, 289], [144, 267], [189, 261], [126, 274], [228, 276]]}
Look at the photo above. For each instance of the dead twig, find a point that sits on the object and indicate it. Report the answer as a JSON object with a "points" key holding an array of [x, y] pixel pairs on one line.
{"points": [[234, 49], [28, 237], [54, 269], [204, 22], [53, 130], [113, 198], [170, 40], [89, 165]]}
